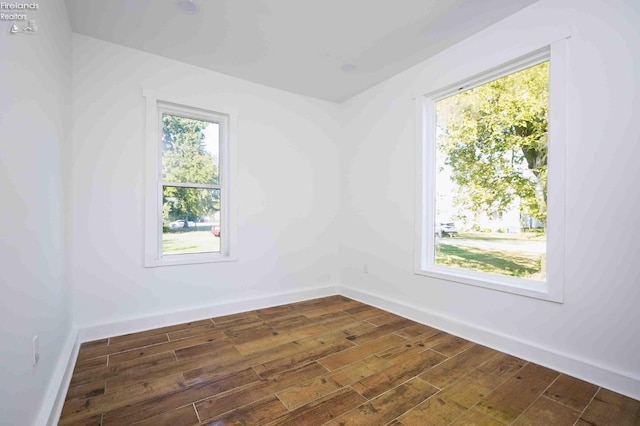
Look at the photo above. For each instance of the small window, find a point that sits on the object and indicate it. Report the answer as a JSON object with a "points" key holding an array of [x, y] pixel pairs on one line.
{"points": [[485, 176], [188, 211]]}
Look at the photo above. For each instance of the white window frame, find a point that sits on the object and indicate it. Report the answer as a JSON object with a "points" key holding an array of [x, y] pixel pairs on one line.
{"points": [[553, 288], [156, 105]]}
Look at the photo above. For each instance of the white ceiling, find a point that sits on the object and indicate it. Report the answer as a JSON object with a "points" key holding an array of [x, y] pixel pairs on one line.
{"points": [[330, 49]]}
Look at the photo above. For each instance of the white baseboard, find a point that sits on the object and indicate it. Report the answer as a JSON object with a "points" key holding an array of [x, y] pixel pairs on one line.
{"points": [[137, 324], [605, 376], [51, 407]]}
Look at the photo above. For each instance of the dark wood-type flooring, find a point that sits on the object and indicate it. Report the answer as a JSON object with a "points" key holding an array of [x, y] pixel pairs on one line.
{"points": [[331, 361]]}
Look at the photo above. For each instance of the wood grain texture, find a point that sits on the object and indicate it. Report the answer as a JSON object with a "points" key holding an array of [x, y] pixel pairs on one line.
{"points": [[571, 392], [452, 369], [517, 393], [388, 406], [323, 409], [434, 411], [546, 411], [331, 361], [475, 417], [611, 408]]}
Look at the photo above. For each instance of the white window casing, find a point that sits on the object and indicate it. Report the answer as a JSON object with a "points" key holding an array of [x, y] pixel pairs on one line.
{"points": [[553, 288], [227, 119]]}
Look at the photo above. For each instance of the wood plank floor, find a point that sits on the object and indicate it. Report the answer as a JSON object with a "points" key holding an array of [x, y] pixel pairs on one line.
{"points": [[331, 361]]}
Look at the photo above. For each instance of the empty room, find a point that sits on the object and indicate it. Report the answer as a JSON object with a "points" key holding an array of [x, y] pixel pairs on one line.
{"points": [[286, 212]]}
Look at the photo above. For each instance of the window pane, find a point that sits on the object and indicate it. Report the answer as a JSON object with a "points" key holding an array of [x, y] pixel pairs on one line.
{"points": [[491, 176], [190, 150], [191, 220]]}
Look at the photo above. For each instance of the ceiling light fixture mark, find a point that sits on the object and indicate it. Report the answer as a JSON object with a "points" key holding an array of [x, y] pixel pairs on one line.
{"points": [[348, 67], [187, 6]]}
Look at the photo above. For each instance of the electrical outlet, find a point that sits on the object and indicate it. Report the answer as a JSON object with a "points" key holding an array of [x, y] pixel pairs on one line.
{"points": [[365, 268], [36, 350]]}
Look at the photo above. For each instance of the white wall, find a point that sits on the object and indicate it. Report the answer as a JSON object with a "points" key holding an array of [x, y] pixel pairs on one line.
{"points": [[599, 322], [288, 190], [35, 92], [295, 156]]}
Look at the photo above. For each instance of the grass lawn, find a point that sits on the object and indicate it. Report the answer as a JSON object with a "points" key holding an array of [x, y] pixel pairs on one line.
{"points": [[497, 236], [513, 262], [510, 262], [184, 242]]}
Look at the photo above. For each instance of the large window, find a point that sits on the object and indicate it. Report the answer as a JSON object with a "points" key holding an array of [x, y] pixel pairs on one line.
{"points": [[188, 215], [487, 153]]}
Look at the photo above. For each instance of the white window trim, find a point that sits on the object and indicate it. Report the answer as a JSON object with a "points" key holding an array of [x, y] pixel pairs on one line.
{"points": [[553, 288], [228, 118]]}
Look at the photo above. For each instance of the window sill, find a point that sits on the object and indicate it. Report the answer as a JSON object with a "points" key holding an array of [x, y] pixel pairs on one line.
{"points": [[188, 259], [519, 286]]}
